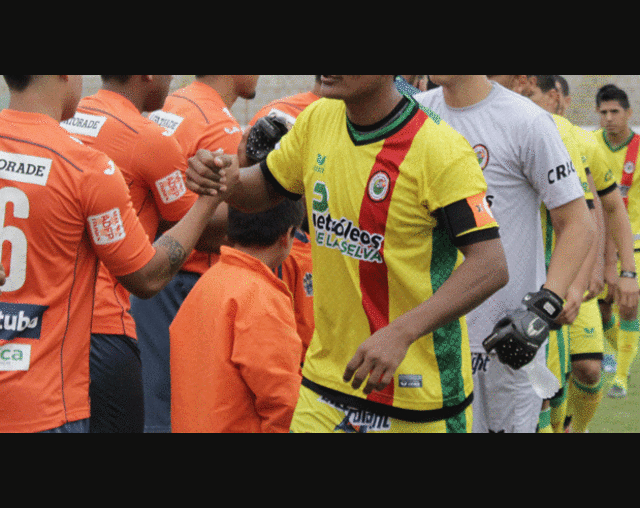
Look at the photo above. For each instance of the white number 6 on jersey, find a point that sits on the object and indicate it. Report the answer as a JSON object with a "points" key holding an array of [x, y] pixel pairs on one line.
{"points": [[18, 263]]}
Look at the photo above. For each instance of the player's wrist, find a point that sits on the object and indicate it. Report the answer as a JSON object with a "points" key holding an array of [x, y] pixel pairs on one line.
{"points": [[628, 274]]}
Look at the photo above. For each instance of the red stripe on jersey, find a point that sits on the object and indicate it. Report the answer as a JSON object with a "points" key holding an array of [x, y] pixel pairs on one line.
{"points": [[374, 210]]}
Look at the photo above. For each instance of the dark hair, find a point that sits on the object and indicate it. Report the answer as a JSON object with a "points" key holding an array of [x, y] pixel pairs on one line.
{"points": [[263, 229], [546, 82], [121, 78], [18, 83], [564, 84], [611, 92]]}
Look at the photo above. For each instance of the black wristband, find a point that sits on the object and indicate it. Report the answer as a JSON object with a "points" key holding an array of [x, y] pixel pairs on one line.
{"points": [[628, 275]]}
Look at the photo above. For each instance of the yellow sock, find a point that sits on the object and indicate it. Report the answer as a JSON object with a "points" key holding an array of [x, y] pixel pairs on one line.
{"points": [[559, 412], [584, 400], [627, 350], [544, 422], [611, 334]]}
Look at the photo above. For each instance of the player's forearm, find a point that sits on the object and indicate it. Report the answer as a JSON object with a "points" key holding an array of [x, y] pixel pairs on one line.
{"points": [[595, 249], [482, 273], [618, 227], [253, 193], [575, 233], [172, 249]]}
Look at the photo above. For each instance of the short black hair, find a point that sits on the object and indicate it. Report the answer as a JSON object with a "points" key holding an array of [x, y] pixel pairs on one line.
{"points": [[120, 78], [546, 82], [264, 228], [18, 82], [564, 84], [611, 92]]}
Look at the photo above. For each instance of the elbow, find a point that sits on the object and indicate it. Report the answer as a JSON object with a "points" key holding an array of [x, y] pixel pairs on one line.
{"points": [[501, 274]]}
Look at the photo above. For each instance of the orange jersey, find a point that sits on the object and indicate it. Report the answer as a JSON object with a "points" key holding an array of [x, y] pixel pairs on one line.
{"points": [[235, 353], [62, 205], [153, 166], [198, 118], [296, 273], [287, 108]]}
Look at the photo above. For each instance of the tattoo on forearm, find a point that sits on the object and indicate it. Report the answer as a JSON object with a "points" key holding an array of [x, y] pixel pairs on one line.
{"points": [[174, 249]]}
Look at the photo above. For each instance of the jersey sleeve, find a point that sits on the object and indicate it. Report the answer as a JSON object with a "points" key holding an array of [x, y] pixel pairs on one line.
{"points": [[547, 164], [603, 177], [112, 224], [283, 166], [454, 190], [224, 135], [163, 166]]}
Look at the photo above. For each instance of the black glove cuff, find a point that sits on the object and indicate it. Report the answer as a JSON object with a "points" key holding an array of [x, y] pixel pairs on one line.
{"points": [[546, 304]]}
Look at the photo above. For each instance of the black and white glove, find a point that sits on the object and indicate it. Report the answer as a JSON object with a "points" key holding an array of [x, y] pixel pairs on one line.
{"points": [[517, 337], [264, 136], [546, 304]]}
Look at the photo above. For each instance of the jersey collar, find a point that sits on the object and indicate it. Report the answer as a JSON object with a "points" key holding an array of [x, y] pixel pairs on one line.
{"points": [[392, 123]]}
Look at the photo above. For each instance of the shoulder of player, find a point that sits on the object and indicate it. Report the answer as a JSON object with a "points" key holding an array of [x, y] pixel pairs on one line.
{"points": [[83, 157]]}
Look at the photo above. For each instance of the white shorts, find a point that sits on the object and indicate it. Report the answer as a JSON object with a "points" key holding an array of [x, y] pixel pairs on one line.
{"points": [[503, 398]]}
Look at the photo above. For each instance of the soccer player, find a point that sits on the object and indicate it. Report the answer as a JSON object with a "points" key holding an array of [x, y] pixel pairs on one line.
{"points": [[198, 116], [65, 206], [524, 163], [587, 353], [403, 246], [620, 145], [235, 352], [153, 165]]}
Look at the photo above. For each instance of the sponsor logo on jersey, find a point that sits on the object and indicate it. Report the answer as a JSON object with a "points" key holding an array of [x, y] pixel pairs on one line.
{"points": [[24, 168], [482, 154], [479, 362], [307, 284], [21, 320], [410, 381], [14, 357], [168, 121], [359, 420], [84, 124], [559, 172], [171, 187], [342, 234], [106, 227]]}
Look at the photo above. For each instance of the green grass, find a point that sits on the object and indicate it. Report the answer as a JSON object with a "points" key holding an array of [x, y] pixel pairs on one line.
{"points": [[619, 416]]}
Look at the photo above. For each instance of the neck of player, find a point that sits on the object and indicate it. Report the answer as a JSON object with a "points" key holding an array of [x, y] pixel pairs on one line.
{"points": [[466, 91], [369, 110], [618, 138]]}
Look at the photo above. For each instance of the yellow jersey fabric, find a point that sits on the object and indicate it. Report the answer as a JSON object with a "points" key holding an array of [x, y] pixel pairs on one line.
{"points": [[376, 199]]}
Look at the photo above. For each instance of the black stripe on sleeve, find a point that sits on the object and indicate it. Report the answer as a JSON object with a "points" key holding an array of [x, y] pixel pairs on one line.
{"points": [[609, 189]]}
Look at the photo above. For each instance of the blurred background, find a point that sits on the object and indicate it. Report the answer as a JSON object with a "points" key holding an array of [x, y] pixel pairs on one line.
{"points": [[583, 88]]}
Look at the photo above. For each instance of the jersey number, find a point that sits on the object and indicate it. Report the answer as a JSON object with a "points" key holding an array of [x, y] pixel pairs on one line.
{"points": [[18, 263]]}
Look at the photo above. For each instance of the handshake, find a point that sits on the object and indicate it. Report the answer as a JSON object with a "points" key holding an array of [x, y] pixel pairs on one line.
{"points": [[518, 336], [213, 173]]}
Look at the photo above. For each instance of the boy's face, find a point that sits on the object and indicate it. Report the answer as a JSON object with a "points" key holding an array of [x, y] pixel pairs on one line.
{"points": [[614, 119]]}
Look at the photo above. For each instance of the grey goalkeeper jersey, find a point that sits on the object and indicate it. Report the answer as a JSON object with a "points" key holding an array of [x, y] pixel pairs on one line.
{"points": [[524, 162]]}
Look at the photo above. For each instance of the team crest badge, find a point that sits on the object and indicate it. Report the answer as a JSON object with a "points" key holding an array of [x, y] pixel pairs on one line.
{"points": [[482, 154], [629, 167], [379, 186]]}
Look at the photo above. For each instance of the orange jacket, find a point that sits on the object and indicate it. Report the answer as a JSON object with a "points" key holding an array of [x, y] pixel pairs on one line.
{"points": [[235, 353]]}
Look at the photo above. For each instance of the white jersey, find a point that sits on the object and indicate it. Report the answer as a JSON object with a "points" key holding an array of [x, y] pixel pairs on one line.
{"points": [[524, 162]]}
